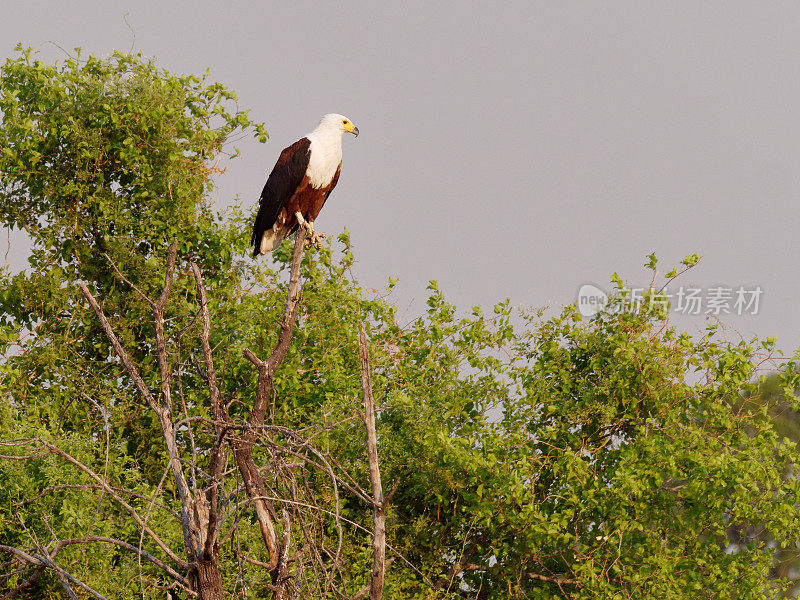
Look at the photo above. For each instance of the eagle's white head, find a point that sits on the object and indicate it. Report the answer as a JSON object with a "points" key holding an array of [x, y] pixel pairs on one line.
{"points": [[326, 148], [335, 123]]}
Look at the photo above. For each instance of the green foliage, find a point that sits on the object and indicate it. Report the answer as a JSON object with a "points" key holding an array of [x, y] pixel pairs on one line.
{"points": [[607, 454], [609, 458], [103, 160]]}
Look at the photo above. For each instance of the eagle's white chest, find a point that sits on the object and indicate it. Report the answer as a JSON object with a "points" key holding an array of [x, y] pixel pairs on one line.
{"points": [[326, 156]]}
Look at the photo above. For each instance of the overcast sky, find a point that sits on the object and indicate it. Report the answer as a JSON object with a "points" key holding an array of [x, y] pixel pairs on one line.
{"points": [[508, 149]]}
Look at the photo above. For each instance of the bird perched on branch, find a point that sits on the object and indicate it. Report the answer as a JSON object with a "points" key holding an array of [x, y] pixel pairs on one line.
{"points": [[300, 182]]}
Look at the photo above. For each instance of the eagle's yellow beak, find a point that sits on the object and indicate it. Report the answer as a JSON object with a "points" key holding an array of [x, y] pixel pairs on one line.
{"points": [[352, 129]]}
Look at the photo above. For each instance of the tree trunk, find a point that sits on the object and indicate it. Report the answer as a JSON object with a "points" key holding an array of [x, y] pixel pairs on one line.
{"points": [[209, 580]]}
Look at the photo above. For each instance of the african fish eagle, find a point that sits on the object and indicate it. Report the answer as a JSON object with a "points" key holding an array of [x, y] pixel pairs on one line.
{"points": [[300, 182]]}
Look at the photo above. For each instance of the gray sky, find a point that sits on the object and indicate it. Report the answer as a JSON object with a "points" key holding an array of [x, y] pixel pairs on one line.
{"points": [[508, 149]]}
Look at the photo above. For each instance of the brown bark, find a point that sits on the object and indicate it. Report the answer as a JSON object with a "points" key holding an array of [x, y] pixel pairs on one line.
{"points": [[209, 579], [208, 547]]}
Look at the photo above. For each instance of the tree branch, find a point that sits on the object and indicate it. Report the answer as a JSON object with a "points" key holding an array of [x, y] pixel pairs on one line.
{"points": [[364, 592], [158, 320], [149, 557], [557, 580], [243, 449], [456, 568], [46, 561], [218, 457], [163, 410], [379, 510], [133, 372]]}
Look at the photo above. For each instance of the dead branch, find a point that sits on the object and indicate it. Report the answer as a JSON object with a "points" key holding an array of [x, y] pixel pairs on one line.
{"points": [[131, 369], [163, 409], [43, 559], [145, 555], [23, 556], [28, 582], [283, 490], [243, 449], [119, 273], [379, 514], [267, 368], [218, 456]]}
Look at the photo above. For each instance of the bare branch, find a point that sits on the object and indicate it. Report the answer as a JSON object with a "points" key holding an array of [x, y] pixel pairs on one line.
{"points": [[281, 578], [557, 580], [206, 345], [60, 574], [149, 557], [133, 372], [150, 505], [29, 581], [23, 457], [107, 430], [253, 358], [268, 367], [163, 409], [358, 527], [44, 560], [59, 452], [218, 458], [23, 556], [256, 492], [379, 514], [158, 320], [243, 450]]}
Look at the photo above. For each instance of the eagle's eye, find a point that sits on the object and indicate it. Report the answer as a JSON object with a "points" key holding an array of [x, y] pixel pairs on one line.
{"points": [[344, 122]]}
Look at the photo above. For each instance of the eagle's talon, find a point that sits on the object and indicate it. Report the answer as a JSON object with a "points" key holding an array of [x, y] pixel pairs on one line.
{"points": [[316, 239]]}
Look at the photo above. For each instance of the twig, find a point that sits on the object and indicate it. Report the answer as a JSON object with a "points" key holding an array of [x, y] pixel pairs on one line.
{"points": [[456, 568], [557, 580], [149, 557]]}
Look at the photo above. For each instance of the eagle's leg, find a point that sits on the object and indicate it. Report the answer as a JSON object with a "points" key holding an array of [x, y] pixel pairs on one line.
{"points": [[316, 238], [304, 224]]}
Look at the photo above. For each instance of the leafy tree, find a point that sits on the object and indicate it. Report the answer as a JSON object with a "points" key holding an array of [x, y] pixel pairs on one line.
{"points": [[522, 457], [771, 397]]}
